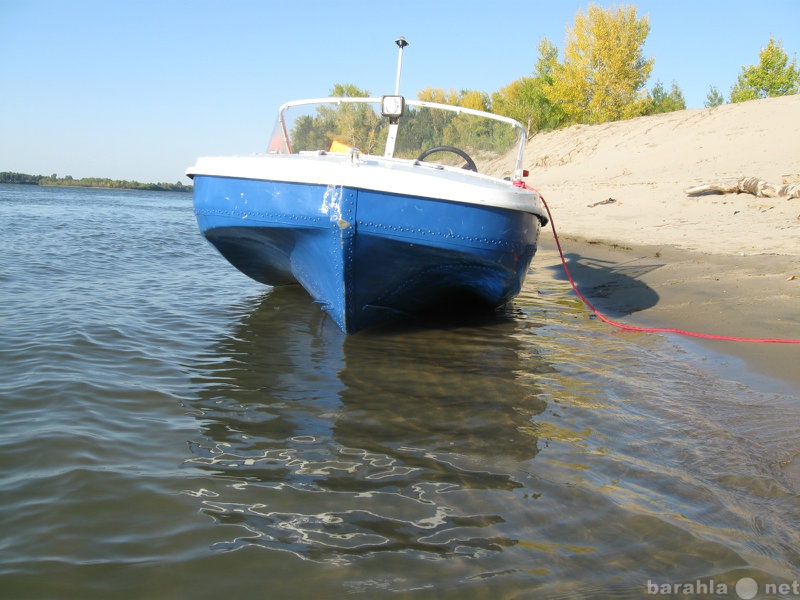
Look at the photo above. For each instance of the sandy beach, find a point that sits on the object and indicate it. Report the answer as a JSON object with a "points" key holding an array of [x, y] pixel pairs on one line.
{"points": [[643, 250]]}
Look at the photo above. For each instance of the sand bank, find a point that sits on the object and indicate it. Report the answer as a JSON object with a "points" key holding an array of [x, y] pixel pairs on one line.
{"points": [[642, 249]]}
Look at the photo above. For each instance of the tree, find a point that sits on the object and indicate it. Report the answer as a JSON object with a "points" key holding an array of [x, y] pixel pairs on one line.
{"points": [[525, 99], [714, 98], [662, 101], [435, 128], [474, 99], [355, 125], [440, 96], [773, 76], [348, 90], [604, 70]]}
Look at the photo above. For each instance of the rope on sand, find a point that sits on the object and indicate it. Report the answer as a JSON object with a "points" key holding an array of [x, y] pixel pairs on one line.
{"points": [[636, 328]]}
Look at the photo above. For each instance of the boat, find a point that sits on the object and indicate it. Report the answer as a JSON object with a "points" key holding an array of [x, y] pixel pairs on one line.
{"points": [[382, 208]]}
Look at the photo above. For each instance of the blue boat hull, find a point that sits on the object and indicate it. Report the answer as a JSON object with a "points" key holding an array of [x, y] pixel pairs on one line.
{"points": [[368, 257]]}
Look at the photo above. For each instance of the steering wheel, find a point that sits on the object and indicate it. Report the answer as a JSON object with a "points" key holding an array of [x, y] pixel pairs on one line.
{"points": [[470, 164]]}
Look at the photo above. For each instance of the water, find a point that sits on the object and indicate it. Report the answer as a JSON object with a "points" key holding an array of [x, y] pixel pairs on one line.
{"points": [[170, 429]]}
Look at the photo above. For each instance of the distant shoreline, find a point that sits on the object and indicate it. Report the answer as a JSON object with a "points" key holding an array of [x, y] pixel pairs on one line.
{"points": [[90, 182]]}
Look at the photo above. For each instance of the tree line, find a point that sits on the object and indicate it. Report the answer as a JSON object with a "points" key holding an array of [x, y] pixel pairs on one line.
{"points": [[92, 182], [602, 77]]}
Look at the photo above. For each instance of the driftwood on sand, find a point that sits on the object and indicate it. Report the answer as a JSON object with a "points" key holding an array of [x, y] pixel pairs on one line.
{"points": [[750, 185]]}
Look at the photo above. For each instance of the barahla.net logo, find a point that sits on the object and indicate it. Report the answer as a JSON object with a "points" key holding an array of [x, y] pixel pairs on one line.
{"points": [[746, 588]]}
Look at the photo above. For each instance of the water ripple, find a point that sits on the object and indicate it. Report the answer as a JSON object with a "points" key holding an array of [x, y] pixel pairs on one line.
{"points": [[170, 428]]}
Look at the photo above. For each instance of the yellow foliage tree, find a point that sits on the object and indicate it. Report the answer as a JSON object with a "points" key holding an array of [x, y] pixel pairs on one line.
{"points": [[466, 98], [430, 94], [474, 99], [604, 71]]}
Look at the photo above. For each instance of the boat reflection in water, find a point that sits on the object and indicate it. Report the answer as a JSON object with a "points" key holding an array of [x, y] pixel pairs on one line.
{"points": [[328, 447], [491, 459]]}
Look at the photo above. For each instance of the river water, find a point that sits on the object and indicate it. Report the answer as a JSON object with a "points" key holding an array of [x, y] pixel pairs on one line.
{"points": [[171, 429]]}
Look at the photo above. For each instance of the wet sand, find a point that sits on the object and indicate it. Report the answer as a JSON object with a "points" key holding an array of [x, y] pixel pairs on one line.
{"points": [[662, 286]]}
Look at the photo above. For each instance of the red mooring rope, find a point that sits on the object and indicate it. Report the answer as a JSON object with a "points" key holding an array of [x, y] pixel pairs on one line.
{"points": [[623, 326]]}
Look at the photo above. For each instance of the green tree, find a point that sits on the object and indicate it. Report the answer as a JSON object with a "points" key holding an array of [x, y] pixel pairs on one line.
{"points": [[356, 125], [714, 98], [525, 99], [604, 70], [774, 75], [428, 128], [662, 101]]}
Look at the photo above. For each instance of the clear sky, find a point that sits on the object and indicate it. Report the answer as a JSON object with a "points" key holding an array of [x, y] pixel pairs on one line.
{"points": [[136, 89]]}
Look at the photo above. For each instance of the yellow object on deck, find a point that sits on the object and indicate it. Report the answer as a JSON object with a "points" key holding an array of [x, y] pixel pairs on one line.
{"points": [[338, 146]]}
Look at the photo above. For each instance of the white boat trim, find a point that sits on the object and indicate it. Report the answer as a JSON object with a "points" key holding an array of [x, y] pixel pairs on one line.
{"points": [[387, 175]]}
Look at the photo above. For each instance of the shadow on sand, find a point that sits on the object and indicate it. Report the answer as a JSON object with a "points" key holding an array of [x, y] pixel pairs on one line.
{"points": [[615, 288]]}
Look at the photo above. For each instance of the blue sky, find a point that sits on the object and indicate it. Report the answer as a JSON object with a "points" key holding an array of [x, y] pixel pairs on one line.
{"points": [[136, 89]]}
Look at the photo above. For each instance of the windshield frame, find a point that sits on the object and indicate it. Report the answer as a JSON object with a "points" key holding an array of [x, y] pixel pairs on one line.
{"points": [[281, 139]]}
